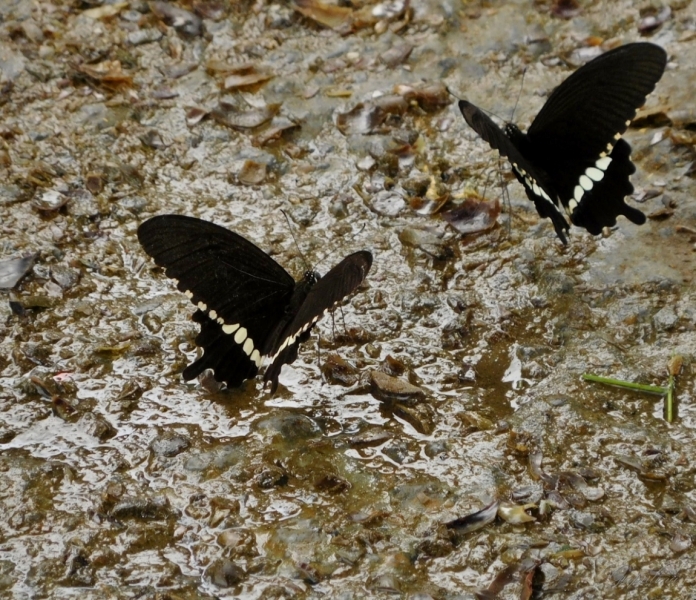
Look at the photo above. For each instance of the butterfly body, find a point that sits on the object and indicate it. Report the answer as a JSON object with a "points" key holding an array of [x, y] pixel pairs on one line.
{"points": [[250, 310], [573, 157]]}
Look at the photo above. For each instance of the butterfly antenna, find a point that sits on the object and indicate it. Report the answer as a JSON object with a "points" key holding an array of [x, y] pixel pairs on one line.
{"points": [[519, 93], [488, 112], [343, 318], [294, 239], [506, 196], [489, 174], [334, 251], [322, 377]]}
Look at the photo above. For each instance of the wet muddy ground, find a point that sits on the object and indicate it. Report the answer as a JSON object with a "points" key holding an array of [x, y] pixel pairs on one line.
{"points": [[451, 380]]}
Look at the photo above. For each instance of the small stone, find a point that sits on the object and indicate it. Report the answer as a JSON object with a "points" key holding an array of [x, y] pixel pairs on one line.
{"points": [[169, 444], [66, 277], [224, 573], [143, 36], [665, 319], [339, 372], [140, 507], [420, 416], [185, 22], [96, 426], [436, 448], [13, 269], [390, 389], [372, 437], [290, 426]]}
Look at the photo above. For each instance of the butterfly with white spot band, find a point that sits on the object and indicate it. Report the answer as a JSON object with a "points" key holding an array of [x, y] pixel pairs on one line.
{"points": [[572, 155], [248, 307]]}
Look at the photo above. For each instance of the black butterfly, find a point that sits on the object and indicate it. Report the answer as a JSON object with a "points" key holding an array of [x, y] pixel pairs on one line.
{"points": [[573, 155], [249, 307]]}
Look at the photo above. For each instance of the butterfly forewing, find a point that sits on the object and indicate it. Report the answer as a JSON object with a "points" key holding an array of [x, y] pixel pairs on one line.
{"points": [[533, 180], [482, 124], [323, 296], [219, 269], [597, 101], [333, 287]]}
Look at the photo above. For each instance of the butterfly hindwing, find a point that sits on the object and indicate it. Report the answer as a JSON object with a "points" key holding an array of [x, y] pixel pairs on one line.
{"points": [[221, 353], [323, 296], [599, 207]]}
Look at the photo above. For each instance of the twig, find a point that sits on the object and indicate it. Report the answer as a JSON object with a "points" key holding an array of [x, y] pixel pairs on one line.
{"points": [[650, 389]]}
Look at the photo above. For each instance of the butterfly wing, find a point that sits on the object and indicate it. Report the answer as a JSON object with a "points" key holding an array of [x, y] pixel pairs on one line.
{"points": [[574, 137], [241, 293], [532, 178], [323, 296]]}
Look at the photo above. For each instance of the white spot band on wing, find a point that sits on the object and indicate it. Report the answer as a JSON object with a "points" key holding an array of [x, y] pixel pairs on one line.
{"points": [[594, 173], [229, 329], [603, 163], [578, 193], [241, 335]]}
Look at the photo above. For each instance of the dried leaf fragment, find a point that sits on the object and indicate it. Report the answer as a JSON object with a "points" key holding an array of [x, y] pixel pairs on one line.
{"points": [[277, 128], [674, 366], [329, 15], [50, 201], [183, 21], [515, 513], [152, 139], [195, 114], [565, 9], [391, 389], [430, 97], [473, 216], [397, 54], [476, 520], [244, 120], [108, 74], [233, 82], [105, 11], [361, 119], [12, 270], [252, 173], [652, 20], [209, 10], [428, 242]]}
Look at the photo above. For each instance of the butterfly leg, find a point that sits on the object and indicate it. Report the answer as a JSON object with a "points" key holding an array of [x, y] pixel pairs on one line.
{"points": [[322, 378]]}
